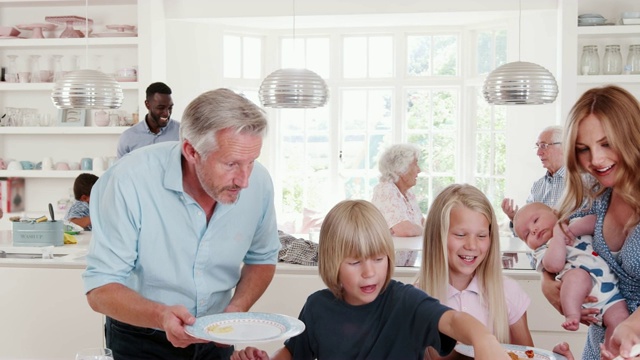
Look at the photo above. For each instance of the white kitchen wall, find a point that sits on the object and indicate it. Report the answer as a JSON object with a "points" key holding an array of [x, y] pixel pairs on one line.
{"points": [[194, 61]]}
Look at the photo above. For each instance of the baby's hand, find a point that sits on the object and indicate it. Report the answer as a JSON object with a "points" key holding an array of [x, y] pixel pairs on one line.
{"points": [[563, 236], [250, 353]]}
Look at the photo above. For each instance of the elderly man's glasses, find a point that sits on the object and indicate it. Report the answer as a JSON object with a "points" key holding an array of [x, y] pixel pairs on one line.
{"points": [[545, 146]]}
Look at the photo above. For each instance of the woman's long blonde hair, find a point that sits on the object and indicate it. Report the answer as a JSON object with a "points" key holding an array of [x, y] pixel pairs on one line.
{"points": [[619, 114], [433, 277]]}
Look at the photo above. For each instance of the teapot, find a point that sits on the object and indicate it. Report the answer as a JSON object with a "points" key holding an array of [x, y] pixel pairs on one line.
{"points": [[101, 118]]}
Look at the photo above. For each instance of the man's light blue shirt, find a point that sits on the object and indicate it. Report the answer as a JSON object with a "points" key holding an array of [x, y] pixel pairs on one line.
{"points": [[151, 236], [139, 136]]}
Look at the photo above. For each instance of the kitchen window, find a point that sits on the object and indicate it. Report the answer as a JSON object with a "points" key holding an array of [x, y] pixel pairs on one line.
{"points": [[422, 87]]}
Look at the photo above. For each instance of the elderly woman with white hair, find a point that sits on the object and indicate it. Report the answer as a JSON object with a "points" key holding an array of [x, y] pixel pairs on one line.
{"points": [[399, 171]]}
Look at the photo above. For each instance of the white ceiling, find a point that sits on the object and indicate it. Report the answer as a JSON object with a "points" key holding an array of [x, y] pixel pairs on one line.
{"points": [[279, 14]]}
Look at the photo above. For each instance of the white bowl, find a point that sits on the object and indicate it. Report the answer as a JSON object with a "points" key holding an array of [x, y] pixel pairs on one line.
{"points": [[590, 16], [630, 15]]}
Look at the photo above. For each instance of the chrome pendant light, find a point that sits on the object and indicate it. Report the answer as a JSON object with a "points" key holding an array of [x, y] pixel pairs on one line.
{"points": [[519, 82], [293, 88], [87, 89]]}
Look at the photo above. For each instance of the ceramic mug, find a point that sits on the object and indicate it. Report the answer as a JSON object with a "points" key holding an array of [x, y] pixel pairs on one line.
{"points": [[101, 118], [86, 164], [14, 165], [74, 166], [62, 166], [27, 165], [98, 163], [47, 163], [24, 77]]}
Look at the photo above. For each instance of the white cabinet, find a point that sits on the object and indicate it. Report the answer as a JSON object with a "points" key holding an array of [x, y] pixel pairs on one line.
{"points": [[601, 36], [573, 84], [45, 314], [104, 53]]}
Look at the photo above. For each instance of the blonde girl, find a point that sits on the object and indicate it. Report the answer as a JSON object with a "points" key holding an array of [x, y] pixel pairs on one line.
{"points": [[461, 264], [364, 314]]}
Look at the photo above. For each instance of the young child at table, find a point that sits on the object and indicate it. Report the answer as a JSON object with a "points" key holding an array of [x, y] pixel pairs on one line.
{"points": [[582, 270], [364, 314], [79, 211], [462, 264]]}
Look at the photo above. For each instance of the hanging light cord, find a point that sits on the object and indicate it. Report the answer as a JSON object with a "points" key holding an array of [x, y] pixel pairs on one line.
{"points": [[86, 34], [519, 27]]}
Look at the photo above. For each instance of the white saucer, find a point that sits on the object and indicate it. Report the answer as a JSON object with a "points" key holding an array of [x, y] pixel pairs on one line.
{"points": [[126, 78], [113, 34]]}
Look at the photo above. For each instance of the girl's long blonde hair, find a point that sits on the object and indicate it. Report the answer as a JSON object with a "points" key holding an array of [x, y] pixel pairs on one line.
{"points": [[433, 277]]}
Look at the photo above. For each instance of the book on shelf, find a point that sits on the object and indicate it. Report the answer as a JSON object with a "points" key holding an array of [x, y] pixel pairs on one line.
{"points": [[12, 194]]}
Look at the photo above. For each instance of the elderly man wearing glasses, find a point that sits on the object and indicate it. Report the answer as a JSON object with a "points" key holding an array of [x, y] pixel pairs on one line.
{"points": [[548, 189]]}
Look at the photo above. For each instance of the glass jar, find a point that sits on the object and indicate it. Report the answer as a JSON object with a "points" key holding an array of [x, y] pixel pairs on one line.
{"points": [[590, 60], [633, 59], [612, 60]]}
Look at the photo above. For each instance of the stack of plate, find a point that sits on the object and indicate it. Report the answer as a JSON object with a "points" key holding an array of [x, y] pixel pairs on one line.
{"points": [[591, 19]]}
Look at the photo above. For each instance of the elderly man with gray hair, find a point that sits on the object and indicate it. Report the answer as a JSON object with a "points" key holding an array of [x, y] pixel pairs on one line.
{"points": [[399, 171], [183, 230], [548, 189]]}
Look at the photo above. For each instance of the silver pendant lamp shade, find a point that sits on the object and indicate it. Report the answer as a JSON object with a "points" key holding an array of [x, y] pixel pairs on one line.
{"points": [[293, 88], [87, 89], [519, 83]]}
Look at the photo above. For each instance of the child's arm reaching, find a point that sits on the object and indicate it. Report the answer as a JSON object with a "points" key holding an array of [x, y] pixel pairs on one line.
{"points": [[81, 221], [466, 329]]}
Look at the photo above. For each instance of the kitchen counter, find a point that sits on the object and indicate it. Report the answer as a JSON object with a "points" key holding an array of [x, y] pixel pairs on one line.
{"points": [[46, 299], [69, 256]]}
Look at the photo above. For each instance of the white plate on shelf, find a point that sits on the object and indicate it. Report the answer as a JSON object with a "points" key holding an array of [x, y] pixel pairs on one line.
{"points": [[591, 21], [538, 354], [126, 78], [120, 28], [113, 34], [245, 327], [631, 21]]}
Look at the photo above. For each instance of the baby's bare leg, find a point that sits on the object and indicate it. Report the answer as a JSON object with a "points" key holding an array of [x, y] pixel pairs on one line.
{"points": [[576, 285], [614, 315]]}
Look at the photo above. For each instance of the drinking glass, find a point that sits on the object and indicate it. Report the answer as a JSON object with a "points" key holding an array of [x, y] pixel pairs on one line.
{"points": [[12, 69], [95, 354], [58, 74], [35, 69]]}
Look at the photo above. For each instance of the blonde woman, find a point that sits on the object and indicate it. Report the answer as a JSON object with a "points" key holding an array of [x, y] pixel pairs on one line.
{"points": [[602, 139], [363, 313], [461, 264]]}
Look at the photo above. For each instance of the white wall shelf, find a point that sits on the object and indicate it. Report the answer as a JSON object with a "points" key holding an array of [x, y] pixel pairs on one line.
{"points": [[46, 174], [612, 30], [5, 86], [69, 42], [62, 130], [609, 79]]}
